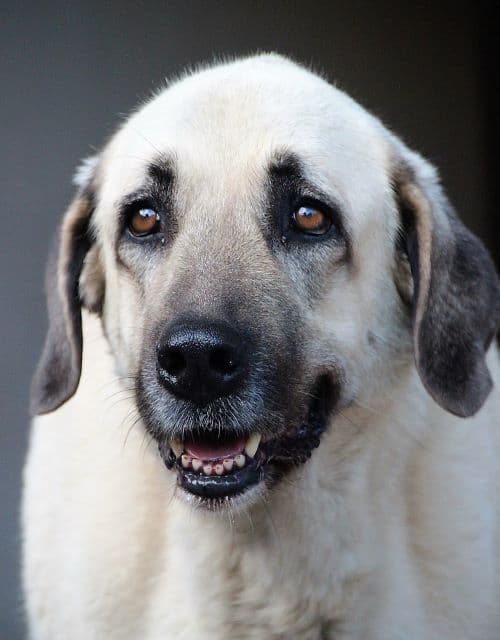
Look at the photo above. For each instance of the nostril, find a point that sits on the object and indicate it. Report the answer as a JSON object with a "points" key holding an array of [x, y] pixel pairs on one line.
{"points": [[172, 361], [223, 361]]}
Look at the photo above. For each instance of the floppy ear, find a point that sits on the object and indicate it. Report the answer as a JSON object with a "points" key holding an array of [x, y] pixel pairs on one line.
{"points": [[456, 291], [58, 372]]}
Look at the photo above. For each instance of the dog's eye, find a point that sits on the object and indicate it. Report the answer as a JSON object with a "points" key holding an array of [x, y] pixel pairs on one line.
{"points": [[311, 221], [144, 222]]}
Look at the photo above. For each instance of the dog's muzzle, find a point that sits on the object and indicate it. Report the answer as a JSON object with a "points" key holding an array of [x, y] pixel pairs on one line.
{"points": [[218, 465], [232, 418]]}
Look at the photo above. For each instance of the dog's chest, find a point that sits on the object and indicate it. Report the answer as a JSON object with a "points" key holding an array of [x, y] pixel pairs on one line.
{"points": [[220, 584]]}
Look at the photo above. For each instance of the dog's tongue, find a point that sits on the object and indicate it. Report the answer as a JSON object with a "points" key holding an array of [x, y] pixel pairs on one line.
{"points": [[214, 450]]}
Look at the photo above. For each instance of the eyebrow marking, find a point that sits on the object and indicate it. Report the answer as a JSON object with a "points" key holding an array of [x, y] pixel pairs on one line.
{"points": [[157, 185], [162, 171], [285, 164]]}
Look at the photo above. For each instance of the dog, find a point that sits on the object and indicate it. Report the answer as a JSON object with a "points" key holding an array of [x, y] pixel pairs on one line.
{"points": [[266, 405]]}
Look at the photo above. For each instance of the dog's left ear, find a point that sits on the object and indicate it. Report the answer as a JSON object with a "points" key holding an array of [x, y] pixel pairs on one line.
{"points": [[58, 372], [456, 291]]}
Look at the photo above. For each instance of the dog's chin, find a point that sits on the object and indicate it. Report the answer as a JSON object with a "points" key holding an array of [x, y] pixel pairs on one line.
{"points": [[222, 469]]}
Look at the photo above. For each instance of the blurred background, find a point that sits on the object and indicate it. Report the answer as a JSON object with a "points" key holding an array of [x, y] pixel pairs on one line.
{"points": [[70, 70]]}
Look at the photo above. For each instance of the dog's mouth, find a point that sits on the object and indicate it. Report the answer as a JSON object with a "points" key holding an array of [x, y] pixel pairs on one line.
{"points": [[219, 465]]}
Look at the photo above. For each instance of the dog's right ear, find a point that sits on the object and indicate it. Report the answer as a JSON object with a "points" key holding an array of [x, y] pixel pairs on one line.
{"points": [[58, 372]]}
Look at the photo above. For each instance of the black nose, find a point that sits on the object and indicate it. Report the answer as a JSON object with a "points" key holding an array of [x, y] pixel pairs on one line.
{"points": [[201, 361]]}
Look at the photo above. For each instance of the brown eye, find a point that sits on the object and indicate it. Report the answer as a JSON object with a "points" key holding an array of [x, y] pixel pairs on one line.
{"points": [[311, 221], [144, 222]]}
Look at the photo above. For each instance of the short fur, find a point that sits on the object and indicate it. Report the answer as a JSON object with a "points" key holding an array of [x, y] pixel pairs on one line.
{"points": [[392, 529]]}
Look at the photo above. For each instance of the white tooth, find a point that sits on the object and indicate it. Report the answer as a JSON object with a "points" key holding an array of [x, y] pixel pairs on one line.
{"points": [[177, 447], [197, 464], [228, 464], [240, 460], [186, 461], [252, 444], [207, 469], [219, 469]]}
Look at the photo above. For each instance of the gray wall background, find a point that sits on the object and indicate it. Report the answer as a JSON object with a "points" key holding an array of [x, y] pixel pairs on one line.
{"points": [[69, 69]]}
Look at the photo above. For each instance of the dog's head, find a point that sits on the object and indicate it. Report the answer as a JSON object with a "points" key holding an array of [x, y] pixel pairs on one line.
{"points": [[263, 252]]}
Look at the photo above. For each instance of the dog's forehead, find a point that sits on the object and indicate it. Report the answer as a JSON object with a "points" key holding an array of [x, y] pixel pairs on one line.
{"points": [[223, 127]]}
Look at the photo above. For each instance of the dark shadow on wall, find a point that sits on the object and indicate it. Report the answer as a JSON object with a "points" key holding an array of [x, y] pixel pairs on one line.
{"points": [[489, 41]]}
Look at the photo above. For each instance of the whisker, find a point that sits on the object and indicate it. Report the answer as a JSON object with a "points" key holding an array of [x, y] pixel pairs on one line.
{"points": [[139, 133], [132, 426], [402, 425]]}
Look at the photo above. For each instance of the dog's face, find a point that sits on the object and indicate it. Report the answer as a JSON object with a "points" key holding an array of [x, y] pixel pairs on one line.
{"points": [[248, 238]]}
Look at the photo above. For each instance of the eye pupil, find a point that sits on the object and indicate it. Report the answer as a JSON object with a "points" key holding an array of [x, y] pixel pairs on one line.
{"points": [[144, 222], [311, 221]]}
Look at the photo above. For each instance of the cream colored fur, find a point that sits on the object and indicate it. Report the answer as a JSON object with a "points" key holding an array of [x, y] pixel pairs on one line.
{"points": [[390, 532]]}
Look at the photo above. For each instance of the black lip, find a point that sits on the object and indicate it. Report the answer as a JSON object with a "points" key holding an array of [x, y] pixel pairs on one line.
{"points": [[273, 459], [221, 486]]}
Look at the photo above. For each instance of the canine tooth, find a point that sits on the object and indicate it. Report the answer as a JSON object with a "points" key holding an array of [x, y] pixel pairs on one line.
{"points": [[252, 444], [207, 469], [228, 464], [240, 460], [219, 469], [177, 447], [185, 460], [197, 464]]}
